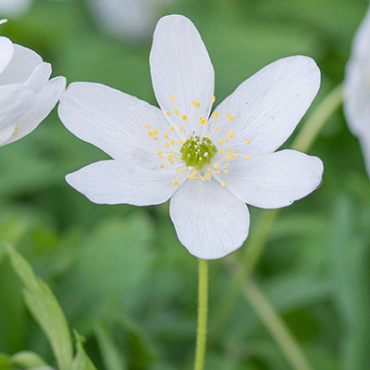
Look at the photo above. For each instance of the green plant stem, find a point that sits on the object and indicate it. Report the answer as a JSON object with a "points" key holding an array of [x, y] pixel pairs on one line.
{"points": [[256, 241], [202, 315], [276, 327]]}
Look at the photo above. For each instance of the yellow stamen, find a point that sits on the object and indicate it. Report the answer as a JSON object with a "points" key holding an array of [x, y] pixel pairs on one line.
{"points": [[146, 126], [248, 158], [165, 136], [150, 133], [248, 141], [181, 142], [155, 132], [215, 114], [168, 113], [202, 120], [222, 151], [226, 164], [218, 128], [213, 99], [184, 117], [173, 99], [171, 128], [230, 157], [162, 165], [167, 144], [216, 165], [223, 184], [237, 155], [218, 172]]}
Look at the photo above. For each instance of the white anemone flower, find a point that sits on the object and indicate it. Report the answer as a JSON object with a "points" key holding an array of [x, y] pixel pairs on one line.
{"points": [[357, 88], [26, 94], [210, 165]]}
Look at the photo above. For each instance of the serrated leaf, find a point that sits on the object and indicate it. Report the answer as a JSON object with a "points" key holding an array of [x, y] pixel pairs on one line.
{"points": [[45, 309], [81, 360]]}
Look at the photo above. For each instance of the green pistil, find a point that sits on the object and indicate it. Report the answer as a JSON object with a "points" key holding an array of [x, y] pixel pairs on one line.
{"points": [[198, 152]]}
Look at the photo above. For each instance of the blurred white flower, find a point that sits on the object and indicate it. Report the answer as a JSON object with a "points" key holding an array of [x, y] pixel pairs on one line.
{"points": [[132, 19], [26, 94], [209, 165], [15, 8], [357, 88]]}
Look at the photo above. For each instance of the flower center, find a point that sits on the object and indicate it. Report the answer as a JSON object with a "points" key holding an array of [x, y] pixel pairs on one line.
{"points": [[198, 151]]}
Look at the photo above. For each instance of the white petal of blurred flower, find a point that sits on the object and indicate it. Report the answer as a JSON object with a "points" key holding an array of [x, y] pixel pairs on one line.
{"points": [[131, 19], [209, 165], [26, 94], [357, 88], [14, 8]]}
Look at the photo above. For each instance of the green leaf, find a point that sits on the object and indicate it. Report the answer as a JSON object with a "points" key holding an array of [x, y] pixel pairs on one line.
{"points": [[45, 309], [112, 355], [81, 360], [28, 360]]}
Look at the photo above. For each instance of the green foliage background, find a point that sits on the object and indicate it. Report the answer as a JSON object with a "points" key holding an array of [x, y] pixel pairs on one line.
{"points": [[120, 274]]}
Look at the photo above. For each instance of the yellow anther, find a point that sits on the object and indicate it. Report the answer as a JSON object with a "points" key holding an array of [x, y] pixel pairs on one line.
{"points": [[184, 117], [180, 170], [213, 99], [226, 172], [202, 120], [226, 164], [230, 157], [150, 133], [207, 176], [220, 142], [248, 158], [176, 111], [146, 126], [165, 136], [172, 142], [167, 144], [248, 141], [173, 99], [173, 154], [161, 165], [226, 139], [229, 116], [210, 169], [181, 128], [222, 151], [159, 152], [197, 105], [223, 184], [181, 142], [230, 150], [16, 130], [203, 178], [237, 155], [155, 132], [215, 114], [218, 172], [168, 113], [216, 165], [169, 159], [231, 134], [176, 183], [190, 168], [218, 128], [171, 128]]}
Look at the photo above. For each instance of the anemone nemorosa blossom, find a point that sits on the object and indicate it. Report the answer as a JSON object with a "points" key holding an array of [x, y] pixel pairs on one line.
{"points": [[26, 94], [210, 165], [357, 88]]}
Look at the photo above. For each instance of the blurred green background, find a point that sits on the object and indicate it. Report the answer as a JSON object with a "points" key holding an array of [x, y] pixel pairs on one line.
{"points": [[119, 272]]}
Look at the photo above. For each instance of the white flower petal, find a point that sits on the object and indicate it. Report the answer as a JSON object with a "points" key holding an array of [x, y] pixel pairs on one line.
{"points": [[45, 102], [39, 77], [111, 120], [115, 182], [274, 180], [267, 107], [357, 81], [20, 68], [181, 69], [210, 222], [6, 52], [15, 101], [365, 145]]}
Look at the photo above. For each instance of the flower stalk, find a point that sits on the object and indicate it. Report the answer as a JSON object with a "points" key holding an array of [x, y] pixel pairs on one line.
{"points": [[202, 315]]}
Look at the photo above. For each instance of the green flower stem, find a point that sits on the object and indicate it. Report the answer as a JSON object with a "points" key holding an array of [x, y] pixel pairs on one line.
{"points": [[202, 315], [276, 327], [256, 241]]}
